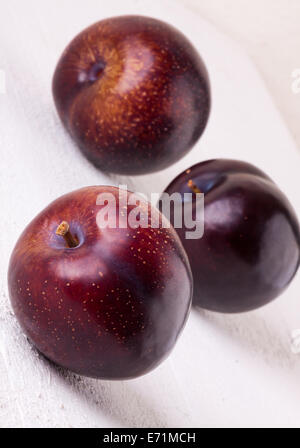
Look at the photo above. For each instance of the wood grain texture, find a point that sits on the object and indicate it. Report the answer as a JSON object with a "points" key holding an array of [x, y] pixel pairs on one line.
{"points": [[225, 370]]}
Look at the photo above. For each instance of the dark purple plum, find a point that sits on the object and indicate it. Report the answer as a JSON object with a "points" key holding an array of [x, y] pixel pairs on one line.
{"points": [[249, 252], [133, 93], [104, 302]]}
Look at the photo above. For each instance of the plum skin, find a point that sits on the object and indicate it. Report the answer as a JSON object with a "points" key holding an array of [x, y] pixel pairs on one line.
{"points": [[133, 93], [110, 308], [249, 252]]}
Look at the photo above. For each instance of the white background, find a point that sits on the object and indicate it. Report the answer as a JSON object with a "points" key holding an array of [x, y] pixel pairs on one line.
{"points": [[226, 370], [268, 31]]}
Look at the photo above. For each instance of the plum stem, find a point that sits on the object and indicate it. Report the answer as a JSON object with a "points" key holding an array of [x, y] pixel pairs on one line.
{"points": [[193, 187], [64, 230]]}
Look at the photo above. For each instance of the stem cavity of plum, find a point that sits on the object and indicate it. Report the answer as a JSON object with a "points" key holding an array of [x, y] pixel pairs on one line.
{"points": [[64, 230], [193, 187]]}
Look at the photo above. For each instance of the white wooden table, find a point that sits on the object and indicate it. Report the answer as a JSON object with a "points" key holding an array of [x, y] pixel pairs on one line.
{"points": [[226, 370]]}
